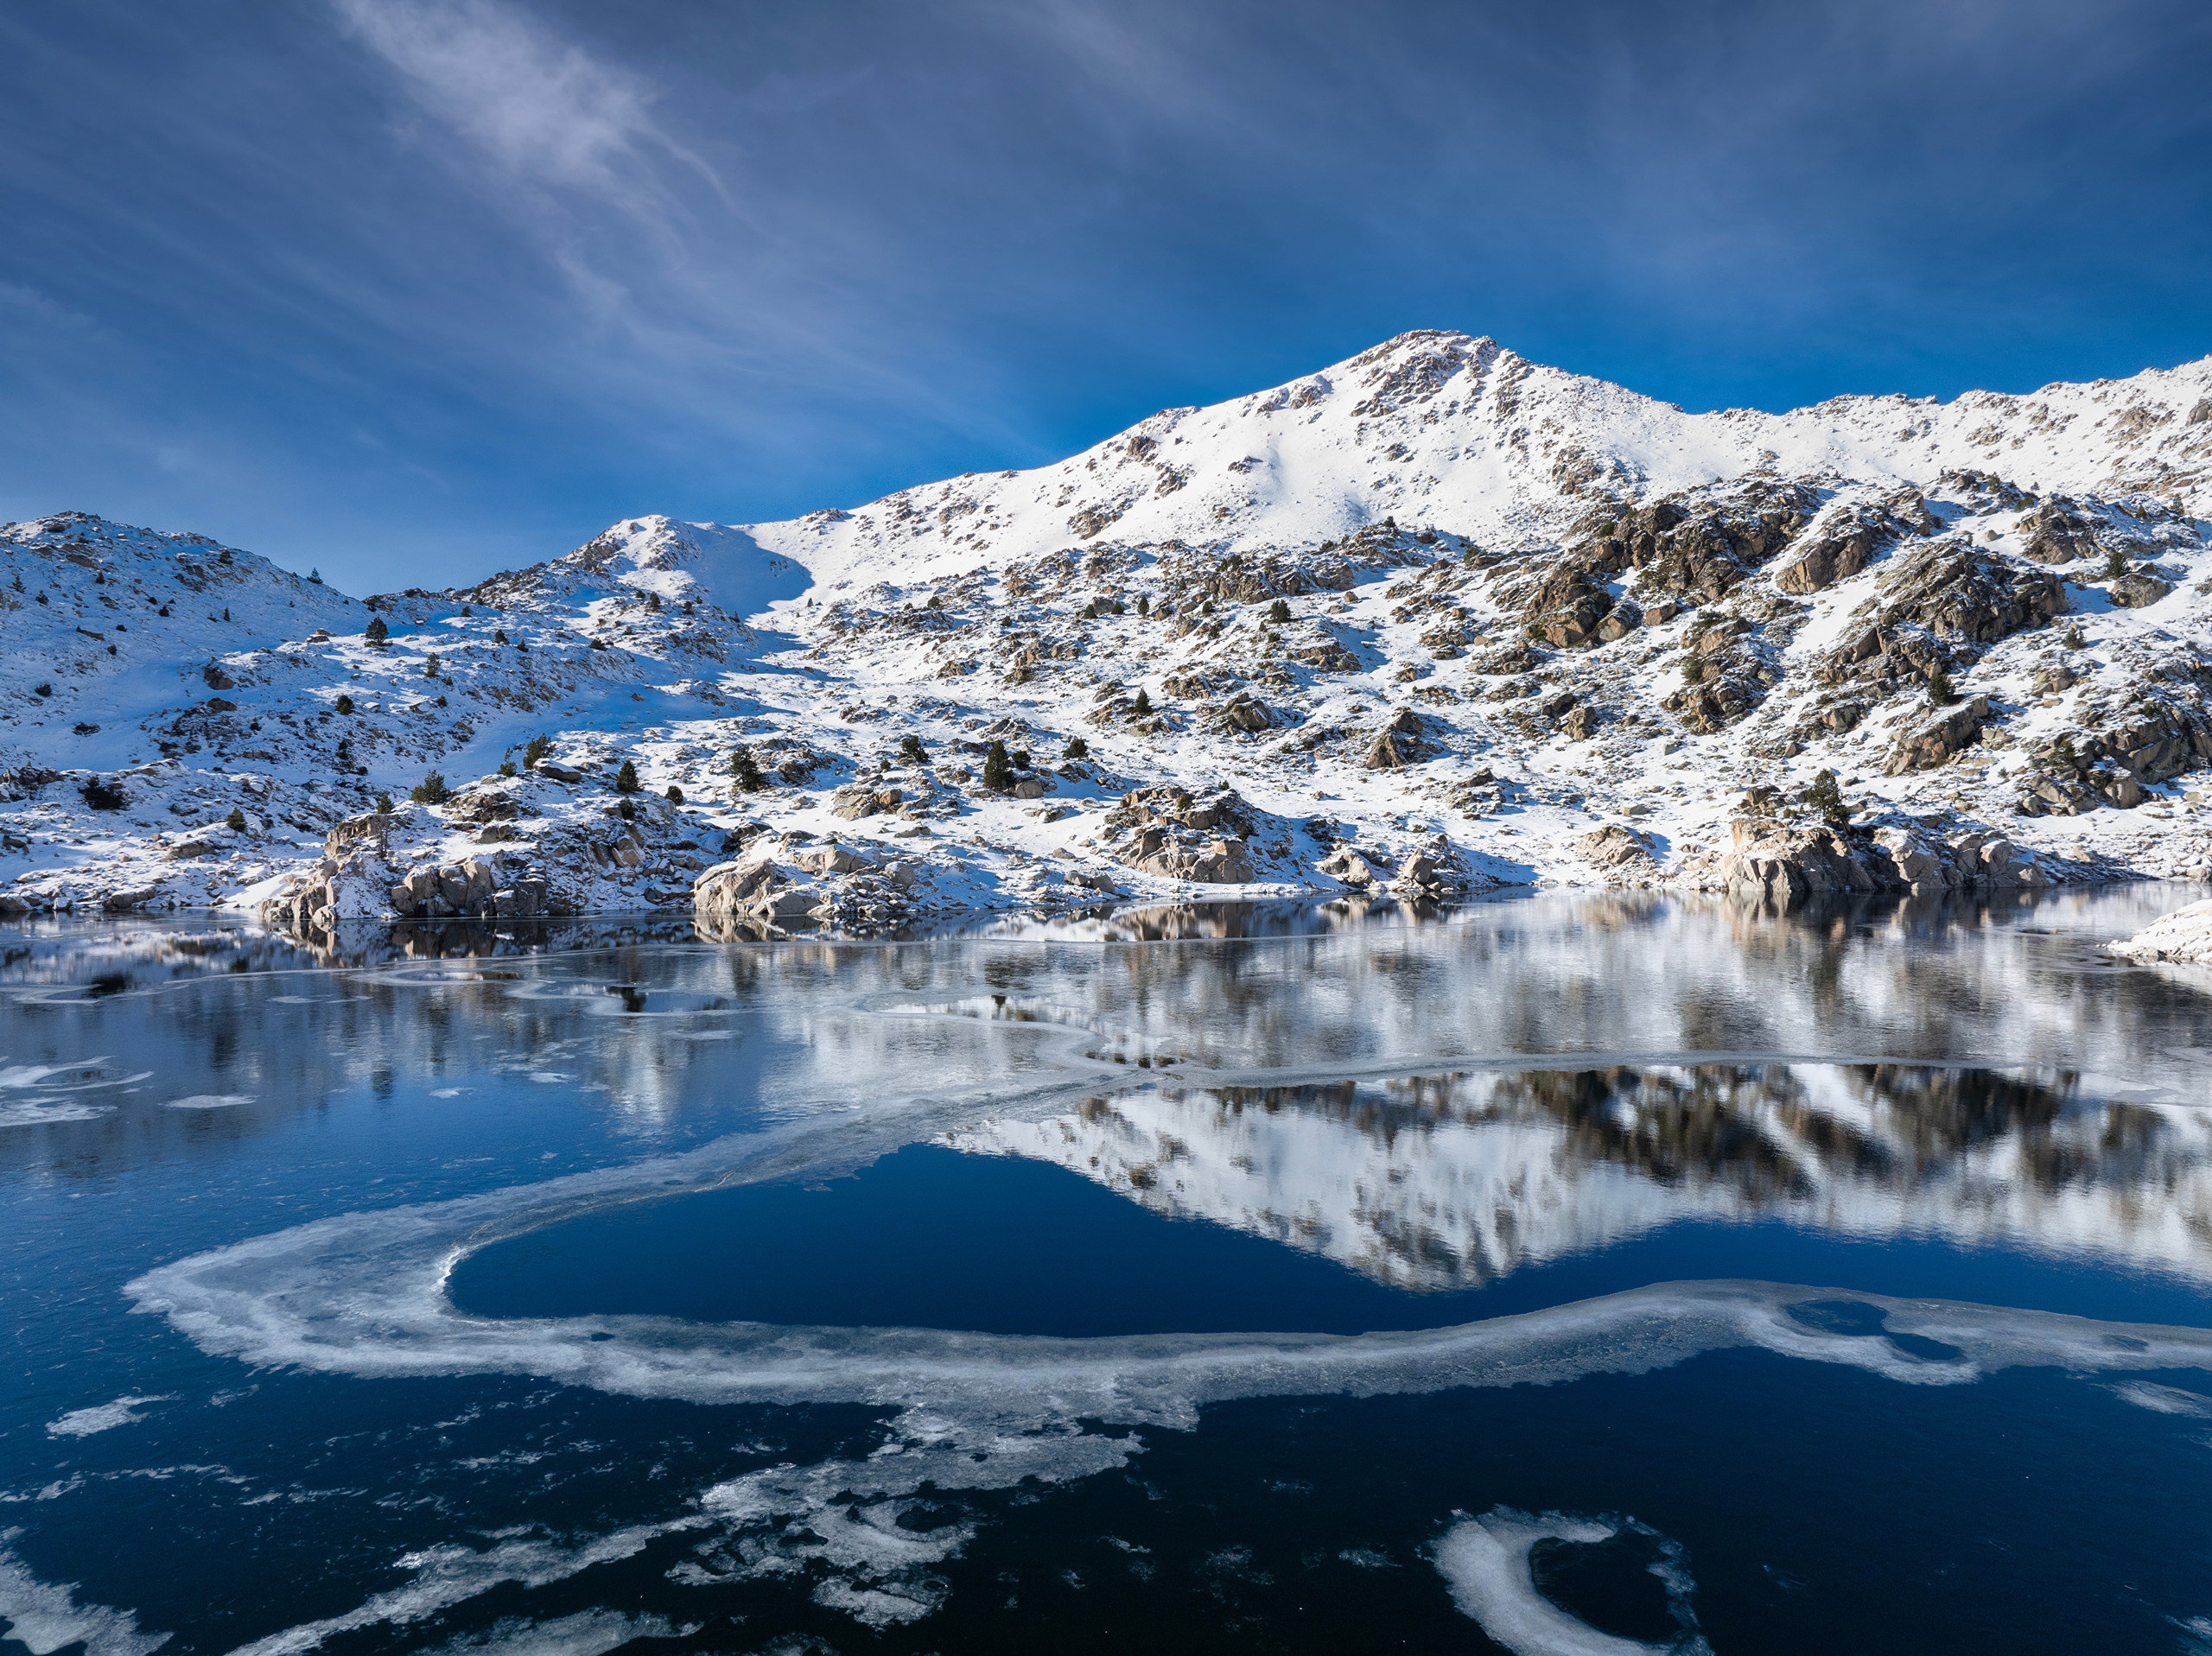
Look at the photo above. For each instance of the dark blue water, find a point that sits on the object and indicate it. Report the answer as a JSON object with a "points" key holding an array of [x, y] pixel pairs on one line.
{"points": [[929, 1237], [1540, 1104]]}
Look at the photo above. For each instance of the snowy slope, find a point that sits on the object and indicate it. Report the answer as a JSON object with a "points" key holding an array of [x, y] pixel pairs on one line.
{"points": [[1435, 612], [1440, 428]]}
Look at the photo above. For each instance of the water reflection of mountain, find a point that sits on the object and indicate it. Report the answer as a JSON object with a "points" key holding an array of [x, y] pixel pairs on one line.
{"points": [[1443, 1182], [807, 1025]]}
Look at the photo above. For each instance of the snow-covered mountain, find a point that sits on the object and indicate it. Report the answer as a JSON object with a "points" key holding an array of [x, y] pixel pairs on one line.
{"points": [[1436, 617]]}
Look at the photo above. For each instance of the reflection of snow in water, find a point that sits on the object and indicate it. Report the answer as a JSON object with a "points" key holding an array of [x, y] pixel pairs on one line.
{"points": [[1486, 1561], [1437, 1182], [363, 1294], [211, 1101]]}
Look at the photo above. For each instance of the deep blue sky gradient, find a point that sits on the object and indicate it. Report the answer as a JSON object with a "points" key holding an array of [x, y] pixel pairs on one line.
{"points": [[414, 291]]}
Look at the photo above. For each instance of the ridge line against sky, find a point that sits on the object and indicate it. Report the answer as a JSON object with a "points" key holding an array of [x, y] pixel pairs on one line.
{"points": [[413, 291]]}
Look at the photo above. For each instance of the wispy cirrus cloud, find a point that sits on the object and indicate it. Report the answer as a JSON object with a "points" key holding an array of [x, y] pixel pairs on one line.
{"points": [[543, 111]]}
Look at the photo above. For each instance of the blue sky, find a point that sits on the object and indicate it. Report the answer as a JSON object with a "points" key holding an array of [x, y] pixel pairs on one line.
{"points": [[413, 291]]}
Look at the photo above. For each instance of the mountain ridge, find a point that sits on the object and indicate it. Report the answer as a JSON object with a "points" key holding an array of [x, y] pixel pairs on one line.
{"points": [[1432, 619]]}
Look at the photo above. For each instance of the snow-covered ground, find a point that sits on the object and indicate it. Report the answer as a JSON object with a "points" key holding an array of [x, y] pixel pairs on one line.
{"points": [[1436, 615]]}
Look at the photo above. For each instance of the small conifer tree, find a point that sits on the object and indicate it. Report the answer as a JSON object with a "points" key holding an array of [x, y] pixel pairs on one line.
{"points": [[1077, 749], [626, 779], [536, 749], [998, 768], [344, 704], [675, 794], [431, 790], [1142, 705], [236, 821], [747, 770], [1279, 612], [1826, 798], [376, 632], [383, 804], [1939, 691], [910, 750]]}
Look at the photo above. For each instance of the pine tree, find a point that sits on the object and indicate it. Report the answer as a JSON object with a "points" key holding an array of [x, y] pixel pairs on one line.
{"points": [[998, 768], [376, 632], [1077, 749], [1939, 693], [1279, 612], [383, 804], [910, 750], [1826, 798], [236, 821], [431, 790], [1142, 705], [626, 779], [536, 749], [675, 794], [344, 704], [747, 770]]}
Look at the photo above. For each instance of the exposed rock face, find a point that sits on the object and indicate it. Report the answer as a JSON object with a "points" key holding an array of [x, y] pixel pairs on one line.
{"points": [[1419, 873], [1402, 741], [2184, 937], [1212, 862], [1787, 865], [1948, 733], [351, 885], [1618, 850], [1962, 592], [2138, 590]]}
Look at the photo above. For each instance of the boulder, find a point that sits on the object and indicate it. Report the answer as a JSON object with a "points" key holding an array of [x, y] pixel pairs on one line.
{"points": [[1617, 849], [1947, 734], [1215, 862], [1787, 865], [861, 799], [1826, 560], [1352, 867], [2134, 592], [1902, 859]]}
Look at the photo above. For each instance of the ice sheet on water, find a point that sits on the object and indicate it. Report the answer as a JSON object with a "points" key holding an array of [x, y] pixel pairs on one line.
{"points": [[1486, 1562], [104, 1417], [45, 1617], [587, 1633], [452, 1574]]}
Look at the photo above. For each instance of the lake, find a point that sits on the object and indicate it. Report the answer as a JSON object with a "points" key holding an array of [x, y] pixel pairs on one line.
{"points": [[1561, 1273]]}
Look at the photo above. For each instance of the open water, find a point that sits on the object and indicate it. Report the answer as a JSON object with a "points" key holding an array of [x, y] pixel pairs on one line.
{"points": [[1561, 1274]]}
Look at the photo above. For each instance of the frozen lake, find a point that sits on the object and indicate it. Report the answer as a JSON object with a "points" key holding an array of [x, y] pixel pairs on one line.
{"points": [[1564, 1273]]}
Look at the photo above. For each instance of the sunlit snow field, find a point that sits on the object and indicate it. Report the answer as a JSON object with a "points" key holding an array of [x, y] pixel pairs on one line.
{"points": [[1564, 1273]]}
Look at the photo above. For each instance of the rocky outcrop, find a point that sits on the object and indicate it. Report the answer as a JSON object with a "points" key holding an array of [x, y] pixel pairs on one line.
{"points": [[2138, 590], [2057, 531], [1403, 740], [1939, 739], [2184, 937], [1419, 874], [1786, 865], [1621, 851], [782, 882], [1940, 604]]}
